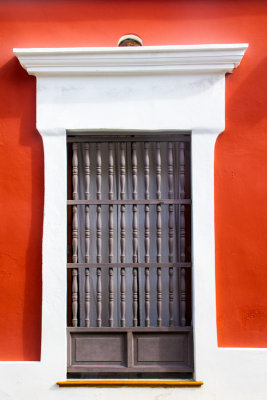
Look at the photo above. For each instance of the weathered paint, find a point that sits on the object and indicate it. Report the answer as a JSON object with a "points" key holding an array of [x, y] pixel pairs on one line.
{"points": [[240, 158]]}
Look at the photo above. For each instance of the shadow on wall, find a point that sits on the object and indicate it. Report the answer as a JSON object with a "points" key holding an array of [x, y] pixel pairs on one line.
{"points": [[252, 90]]}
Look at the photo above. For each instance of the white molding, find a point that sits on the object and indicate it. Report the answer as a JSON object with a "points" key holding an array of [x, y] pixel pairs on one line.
{"points": [[138, 60], [77, 89]]}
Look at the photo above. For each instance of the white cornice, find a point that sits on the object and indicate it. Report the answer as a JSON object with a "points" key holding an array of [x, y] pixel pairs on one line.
{"points": [[131, 60]]}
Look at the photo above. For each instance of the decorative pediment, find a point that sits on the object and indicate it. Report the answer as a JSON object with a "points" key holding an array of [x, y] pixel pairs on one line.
{"points": [[137, 60]]}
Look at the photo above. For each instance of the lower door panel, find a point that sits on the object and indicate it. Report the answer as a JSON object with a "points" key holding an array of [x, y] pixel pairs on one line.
{"points": [[130, 350]]}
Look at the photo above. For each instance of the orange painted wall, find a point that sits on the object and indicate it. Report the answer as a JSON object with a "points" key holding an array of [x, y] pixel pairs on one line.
{"points": [[240, 158]]}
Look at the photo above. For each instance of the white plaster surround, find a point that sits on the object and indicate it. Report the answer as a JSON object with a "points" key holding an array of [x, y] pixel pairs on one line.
{"points": [[148, 89]]}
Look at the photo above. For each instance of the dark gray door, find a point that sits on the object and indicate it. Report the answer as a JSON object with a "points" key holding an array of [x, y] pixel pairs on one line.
{"points": [[129, 269]]}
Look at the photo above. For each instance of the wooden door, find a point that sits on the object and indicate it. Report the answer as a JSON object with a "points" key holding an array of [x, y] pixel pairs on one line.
{"points": [[130, 285]]}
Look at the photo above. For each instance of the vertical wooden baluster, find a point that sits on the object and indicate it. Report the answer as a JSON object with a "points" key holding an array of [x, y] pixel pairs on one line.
{"points": [[111, 297], [87, 197], [74, 297], [75, 171], [159, 231], [74, 235], [99, 297], [182, 234], [158, 170], [98, 234], [171, 296], [135, 297], [171, 230], [110, 171], [135, 235], [87, 297], [159, 223], [147, 240], [170, 195], [111, 231], [122, 195], [110, 195], [147, 298], [74, 208], [147, 233], [123, 296], [98, 171], [134, 177], [147, 226], [122, 170], [159, 297], [87, 170], [98, 208], [87, 233], [122, 233], [134, 169]]}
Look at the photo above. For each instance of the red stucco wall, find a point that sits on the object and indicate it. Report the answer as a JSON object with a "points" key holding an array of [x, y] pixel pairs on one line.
{"points": [[240, 158]]}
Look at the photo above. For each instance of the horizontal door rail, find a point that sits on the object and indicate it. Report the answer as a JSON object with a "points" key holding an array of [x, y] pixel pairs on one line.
{"points": [[140, 138], [139, 329], [127, 370], [130, 202], [130, 265]]}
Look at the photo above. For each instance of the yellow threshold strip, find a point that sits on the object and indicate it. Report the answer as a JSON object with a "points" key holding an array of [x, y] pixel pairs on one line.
{"points": [[129, 382]]}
